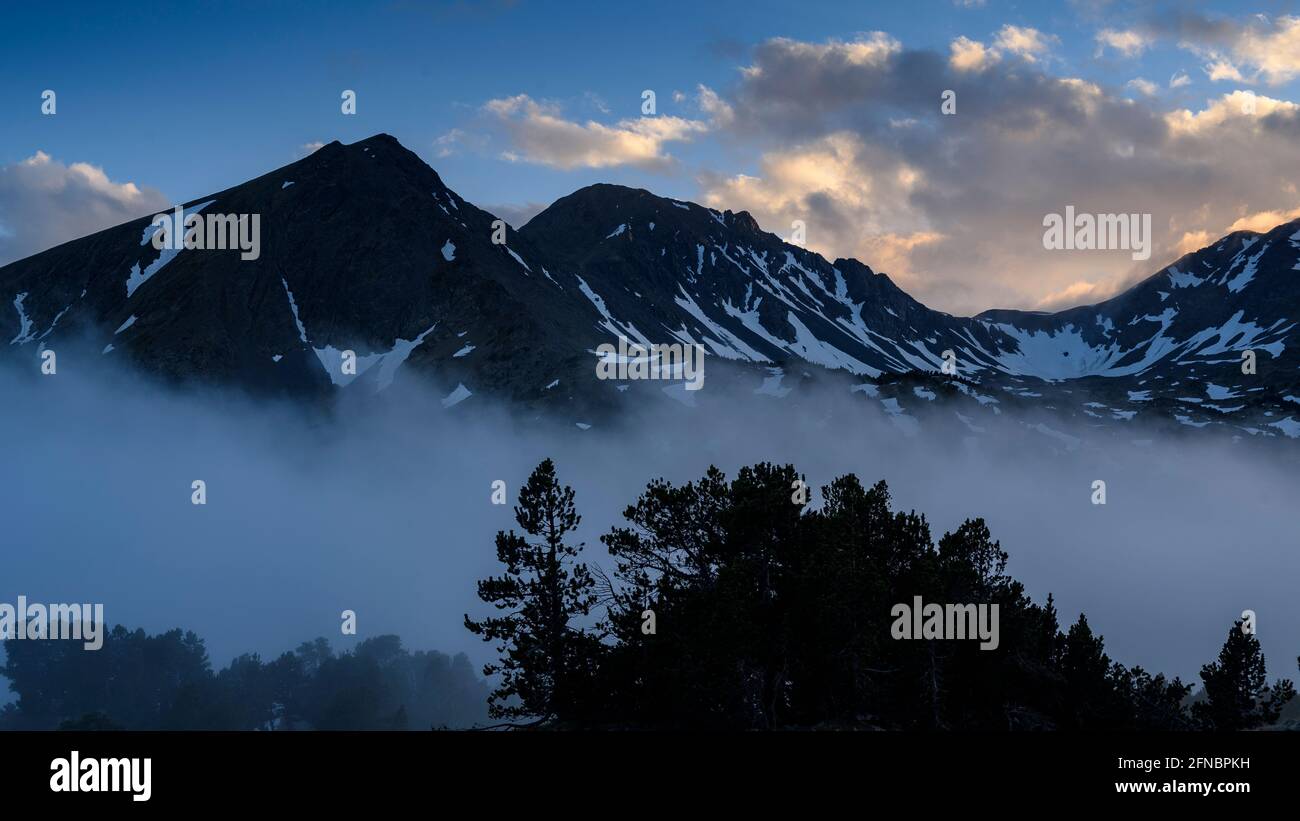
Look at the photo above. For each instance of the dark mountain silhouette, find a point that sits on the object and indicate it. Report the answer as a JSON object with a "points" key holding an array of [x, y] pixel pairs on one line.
{"points": [[364, 249]]}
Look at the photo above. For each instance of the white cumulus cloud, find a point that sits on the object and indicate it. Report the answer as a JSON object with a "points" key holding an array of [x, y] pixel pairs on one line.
{"points": [[539, 134], [44, 202]]}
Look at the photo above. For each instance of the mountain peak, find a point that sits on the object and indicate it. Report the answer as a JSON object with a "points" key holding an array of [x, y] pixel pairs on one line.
{"points": [[364, 249], [745, 220], [381, 137]]}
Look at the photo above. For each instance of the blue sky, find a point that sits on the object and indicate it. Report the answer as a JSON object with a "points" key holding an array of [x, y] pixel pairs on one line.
{"points": [[185, 99]]}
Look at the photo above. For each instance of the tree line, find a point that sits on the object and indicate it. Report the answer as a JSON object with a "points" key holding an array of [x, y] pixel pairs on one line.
{"points": [[734, 604], [731, 604], [138, 681]]}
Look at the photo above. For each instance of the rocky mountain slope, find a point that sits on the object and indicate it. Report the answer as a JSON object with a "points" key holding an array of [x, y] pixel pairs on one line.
{"points": [[364, 249]]}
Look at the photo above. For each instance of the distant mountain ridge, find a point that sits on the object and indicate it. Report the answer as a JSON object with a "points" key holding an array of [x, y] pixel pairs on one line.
{"points": [[364, 248]]}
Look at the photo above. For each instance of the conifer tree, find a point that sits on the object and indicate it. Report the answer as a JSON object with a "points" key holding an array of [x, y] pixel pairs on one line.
{"points": [[1237, 696], [546, 658]]}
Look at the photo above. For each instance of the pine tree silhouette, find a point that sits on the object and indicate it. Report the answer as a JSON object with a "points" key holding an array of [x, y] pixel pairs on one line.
{"points": [[546, 658], [1236, 695]]}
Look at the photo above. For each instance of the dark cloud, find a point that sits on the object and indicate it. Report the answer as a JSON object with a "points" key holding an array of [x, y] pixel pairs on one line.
{"points": [[954, 205], [1189, 24]]}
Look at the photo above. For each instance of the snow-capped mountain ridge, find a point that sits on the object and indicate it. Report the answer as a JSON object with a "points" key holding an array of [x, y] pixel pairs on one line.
{"points": [[1178, 317], [365, 249]]}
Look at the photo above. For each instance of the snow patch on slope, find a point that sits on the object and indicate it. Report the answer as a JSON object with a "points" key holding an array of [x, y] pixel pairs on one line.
{"points": [[457, 396], [24, 322], [137, 277]]}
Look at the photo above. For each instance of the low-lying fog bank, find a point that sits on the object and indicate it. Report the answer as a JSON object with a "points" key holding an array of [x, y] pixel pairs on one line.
{"points": [[385, 509]]}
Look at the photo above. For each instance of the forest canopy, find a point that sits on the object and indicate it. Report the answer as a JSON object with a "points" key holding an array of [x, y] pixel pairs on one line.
{"points": [[738, 604]]}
